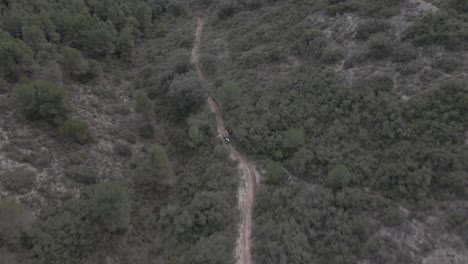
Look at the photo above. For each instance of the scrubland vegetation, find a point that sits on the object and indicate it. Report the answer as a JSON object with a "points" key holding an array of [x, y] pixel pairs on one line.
{"points": [[322, 86], [358, 110], [124, 164]]}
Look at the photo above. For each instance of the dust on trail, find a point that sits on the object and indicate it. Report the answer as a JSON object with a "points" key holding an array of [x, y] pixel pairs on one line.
{"points": [[249, 174]]}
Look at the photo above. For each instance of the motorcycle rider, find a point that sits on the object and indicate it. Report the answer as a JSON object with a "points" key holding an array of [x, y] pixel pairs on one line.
{"points": [[226, 135]]}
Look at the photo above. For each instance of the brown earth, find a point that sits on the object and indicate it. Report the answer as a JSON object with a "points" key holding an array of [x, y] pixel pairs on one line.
{"points": [[249, 173]]}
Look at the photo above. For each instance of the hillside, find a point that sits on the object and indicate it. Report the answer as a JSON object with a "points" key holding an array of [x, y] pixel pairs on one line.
{"points": [[348, 123]]}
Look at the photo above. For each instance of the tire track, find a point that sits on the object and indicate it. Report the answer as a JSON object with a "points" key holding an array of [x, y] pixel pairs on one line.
{"points": [[250, 176]]}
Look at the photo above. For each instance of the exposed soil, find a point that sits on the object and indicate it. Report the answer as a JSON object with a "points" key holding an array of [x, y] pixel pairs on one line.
{"points": [[249, 173]]}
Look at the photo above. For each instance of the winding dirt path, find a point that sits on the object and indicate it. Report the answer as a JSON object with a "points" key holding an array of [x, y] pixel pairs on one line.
{"points": [[249, 174]]}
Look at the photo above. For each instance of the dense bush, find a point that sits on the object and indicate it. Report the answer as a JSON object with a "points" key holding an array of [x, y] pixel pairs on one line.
{"points": [[123, 149], [20, 180], [404, 52], [441, 28], [373, 8], [370, 27], [76, 129], [146, 131], [330, 56], [41, 100], [274, 172], [156, 170], [83, 174], [64, 234], [143, 104], [16, 58], [294, 137], [229, 93], [339, 177], [14, 222], [459, 5], [195, 136], [448, 64], [209, 63], [74, 62], [186, 94], [112, 206], [380, 47]]}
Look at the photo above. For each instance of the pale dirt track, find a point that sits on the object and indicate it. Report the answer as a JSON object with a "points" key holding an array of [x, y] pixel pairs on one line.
{"points": [[250, 175]]}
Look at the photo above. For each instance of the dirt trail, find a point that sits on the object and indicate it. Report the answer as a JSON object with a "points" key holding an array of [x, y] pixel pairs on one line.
{"points": [[249, 175]]}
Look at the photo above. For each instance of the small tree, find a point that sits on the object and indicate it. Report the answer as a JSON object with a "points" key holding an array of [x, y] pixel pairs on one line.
{"points": [[196, 136], [143, 104], [76, 129], [41, 100], [338, 177], [3, 85], [34, 37], [14, 220], [230, 93], [112, 206], [126, 40], [74, 62], [459, 5], [16, 58], [156, 169], [186, 95], [275, 172], [294, 138], [100, 42], [380, 47]]}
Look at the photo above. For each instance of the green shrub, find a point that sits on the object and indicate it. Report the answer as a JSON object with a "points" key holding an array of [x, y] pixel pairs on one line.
{"points": [[229, 93], [226, 9], [195, 135], [310, 44], [125, 41], [209, 63], [146, 131], [20, 180], [331, 55], [338, 8], [459, 5], [16, 58], [294, 138], [339, 177], [82, 174], [34, 37], [274, 171], [156, 170], [393, 216], [112, 206], [3, 85], [441, 28], [74, 62], [369, 27], [380, 47], [64, 233], [456, 218], [354, 60], [123, 149], [404, 53], [143, 104], [77, 130], [448, 64], [41, 100], [411, 67], [14, 221], [186, 94], [100, 41]]}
